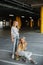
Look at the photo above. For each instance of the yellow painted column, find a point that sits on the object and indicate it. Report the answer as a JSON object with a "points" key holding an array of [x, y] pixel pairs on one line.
{"points": [[41, 27], [31, 23], [19, 21]]}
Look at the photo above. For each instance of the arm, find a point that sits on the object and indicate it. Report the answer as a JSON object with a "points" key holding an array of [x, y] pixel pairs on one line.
{"points": [[25, 46], [12, 37]]}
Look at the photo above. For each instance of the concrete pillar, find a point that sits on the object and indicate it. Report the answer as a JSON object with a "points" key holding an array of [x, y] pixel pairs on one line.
{"points": [[31, 23], [10, 23], [19, 21], [41, 17], [39, 23], [5, 23]]}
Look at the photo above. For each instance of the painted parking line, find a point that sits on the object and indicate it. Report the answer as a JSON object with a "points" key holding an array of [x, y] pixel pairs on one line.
{"points": [[9, 62], [11, 51], [38, 54], [5, 50]]}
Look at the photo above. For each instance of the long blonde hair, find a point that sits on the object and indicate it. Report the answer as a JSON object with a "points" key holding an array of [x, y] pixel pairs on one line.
{"points": [[14, 24]]}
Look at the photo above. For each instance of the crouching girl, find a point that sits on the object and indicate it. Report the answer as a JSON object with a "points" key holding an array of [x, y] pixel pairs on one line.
{"points": [[21, 50]]}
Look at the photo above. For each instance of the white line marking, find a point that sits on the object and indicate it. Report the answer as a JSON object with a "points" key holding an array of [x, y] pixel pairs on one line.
{"points": [[11, 51], [38, 54], [11, 62], [5, 50]]}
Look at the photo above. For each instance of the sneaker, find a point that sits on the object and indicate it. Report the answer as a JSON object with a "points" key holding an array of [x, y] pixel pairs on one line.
{"points": [[24, 60], [13, 56], [17, 58], [34, 62]]}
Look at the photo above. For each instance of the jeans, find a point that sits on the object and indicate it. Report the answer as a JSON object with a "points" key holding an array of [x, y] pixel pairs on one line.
{"points": [[15, 44], [26, 54]]}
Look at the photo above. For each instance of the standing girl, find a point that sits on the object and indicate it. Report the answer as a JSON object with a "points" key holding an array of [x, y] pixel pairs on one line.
{"points": [[14, 37]]}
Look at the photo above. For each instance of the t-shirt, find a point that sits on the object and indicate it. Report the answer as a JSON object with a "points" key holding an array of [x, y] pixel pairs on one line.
{"points": [[14, 31]]}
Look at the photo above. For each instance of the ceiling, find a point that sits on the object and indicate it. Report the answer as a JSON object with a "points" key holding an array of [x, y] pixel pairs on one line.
{"points": [[20, 7], [31, 1]]}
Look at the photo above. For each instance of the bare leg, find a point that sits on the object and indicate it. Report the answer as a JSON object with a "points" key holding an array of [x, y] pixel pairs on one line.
{"points": [[28, 56]]}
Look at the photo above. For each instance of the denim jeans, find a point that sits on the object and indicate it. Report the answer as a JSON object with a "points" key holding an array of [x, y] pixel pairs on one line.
{"points": [[15, 44]]}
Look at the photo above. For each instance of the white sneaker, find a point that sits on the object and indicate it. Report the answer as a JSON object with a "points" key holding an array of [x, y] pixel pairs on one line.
{"points": [[13, 56]]}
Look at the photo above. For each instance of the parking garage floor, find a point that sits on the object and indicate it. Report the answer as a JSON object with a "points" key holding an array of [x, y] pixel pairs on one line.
{"points": [[35, 45]]}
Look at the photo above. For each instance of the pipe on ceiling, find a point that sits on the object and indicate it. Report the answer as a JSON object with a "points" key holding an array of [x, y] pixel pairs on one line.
{"points": [[16, 8], [36, 5]]}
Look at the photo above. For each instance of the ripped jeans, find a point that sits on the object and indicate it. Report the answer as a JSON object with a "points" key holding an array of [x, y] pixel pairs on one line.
{"points": [[15, 44], [26, 54]]}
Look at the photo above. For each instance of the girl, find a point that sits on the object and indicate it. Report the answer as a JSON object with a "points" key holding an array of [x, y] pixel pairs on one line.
{"points": [[14, 37], [21, 51]]}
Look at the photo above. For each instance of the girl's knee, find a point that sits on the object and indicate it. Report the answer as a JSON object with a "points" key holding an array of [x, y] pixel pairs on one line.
{"points": [[30, 53]]}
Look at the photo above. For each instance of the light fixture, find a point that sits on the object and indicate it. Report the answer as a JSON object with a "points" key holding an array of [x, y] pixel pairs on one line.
{"points": [[30, 17], [4, 20], [11, 15], [23, 16]]}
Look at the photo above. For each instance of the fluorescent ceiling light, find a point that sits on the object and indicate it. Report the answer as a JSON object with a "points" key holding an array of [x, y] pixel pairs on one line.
{"points": [[4, 20], [11, 15], [30, 17], [22, 16]]}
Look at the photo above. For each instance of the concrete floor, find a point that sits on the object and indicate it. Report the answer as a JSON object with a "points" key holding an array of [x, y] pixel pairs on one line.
{"points": [[35, 45]]}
